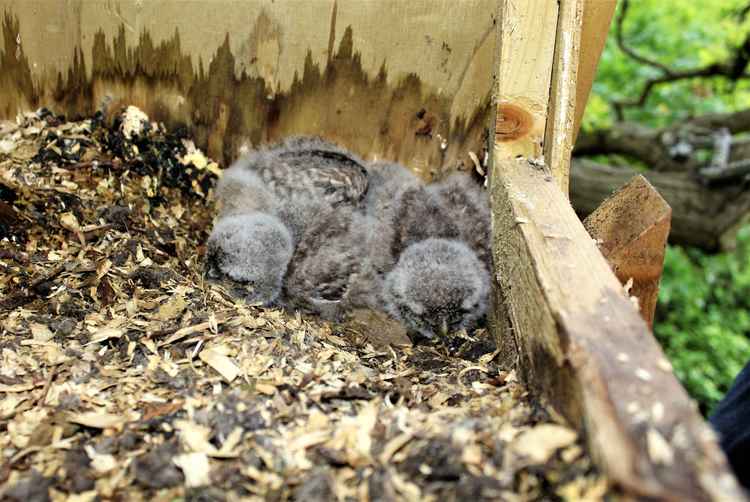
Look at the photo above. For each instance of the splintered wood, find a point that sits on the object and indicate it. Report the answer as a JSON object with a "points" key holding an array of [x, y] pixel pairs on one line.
{"points": [[123, 375]]}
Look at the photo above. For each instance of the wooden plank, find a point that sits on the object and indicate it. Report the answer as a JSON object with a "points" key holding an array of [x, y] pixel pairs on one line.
{"points": [[559, 134], [413, 86], [597, 17], [584, 346], [631, 229], [527, 48]]}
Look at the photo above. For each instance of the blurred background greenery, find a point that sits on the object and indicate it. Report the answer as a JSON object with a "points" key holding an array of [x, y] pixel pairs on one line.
{"points": [[702, 317]]}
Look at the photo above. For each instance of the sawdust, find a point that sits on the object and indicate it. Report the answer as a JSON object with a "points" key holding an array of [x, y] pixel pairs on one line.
{"points": [[124, 375]]}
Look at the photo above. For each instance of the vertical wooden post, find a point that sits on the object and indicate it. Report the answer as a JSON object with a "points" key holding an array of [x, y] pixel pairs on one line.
{"points": [[527, 51], [560, 132], [597, 16]]}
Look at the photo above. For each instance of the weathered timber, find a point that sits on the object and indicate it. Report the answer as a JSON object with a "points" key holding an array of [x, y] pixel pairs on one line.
{"points": [[631, 229], [537, 81], [524, 74], [702, 216], [560, 131], [583, 345], [239, 74]]}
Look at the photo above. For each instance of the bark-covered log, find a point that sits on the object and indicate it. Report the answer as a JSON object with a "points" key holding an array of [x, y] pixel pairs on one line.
{"points": [[671, 148], [706, 217], [633, 140]]}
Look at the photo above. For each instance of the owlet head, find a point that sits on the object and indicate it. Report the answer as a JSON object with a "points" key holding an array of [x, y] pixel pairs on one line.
{"points": [[240, 190], [437, 287], [250, 253]]}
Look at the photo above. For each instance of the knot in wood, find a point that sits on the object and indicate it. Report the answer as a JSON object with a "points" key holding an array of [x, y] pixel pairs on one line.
{"points": [[512, 122]]}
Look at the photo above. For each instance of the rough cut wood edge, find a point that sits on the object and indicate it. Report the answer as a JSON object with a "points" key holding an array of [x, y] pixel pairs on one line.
{"points": [[631, 229], [584, 346], [559, 134], [597, 17]]}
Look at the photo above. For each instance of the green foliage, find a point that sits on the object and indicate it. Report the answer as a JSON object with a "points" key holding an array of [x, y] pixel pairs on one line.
{"points": [[681, 35], [703, 319]]}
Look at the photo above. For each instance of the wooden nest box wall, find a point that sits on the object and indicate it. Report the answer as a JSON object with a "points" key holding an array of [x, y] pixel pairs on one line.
{"points": [[492, 86]]}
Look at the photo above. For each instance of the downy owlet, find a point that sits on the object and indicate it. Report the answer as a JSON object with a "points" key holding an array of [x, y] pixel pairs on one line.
{"points": [[437, 287]]}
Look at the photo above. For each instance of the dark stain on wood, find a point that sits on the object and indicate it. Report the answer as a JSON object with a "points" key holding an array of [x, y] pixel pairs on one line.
{"points": [[16, 85], [224, 110]]}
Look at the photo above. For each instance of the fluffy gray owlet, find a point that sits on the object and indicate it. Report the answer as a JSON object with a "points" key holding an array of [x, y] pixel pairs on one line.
{"points": [[252, 251], [406, 213], [293, 184], [310, 166], [328, 273], [438, 286], [249, 247], [241, 191], [466, 205], [386, 180]]}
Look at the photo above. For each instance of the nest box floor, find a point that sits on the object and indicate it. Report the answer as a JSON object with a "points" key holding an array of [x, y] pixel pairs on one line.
{"points": [[124, 375]]}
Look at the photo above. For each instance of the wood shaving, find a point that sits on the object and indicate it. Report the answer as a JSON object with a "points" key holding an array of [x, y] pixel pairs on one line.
{"points": [[125, 375]]}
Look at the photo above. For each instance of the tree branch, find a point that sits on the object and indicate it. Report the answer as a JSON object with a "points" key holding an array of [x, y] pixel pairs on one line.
{"points": [[625, 5], [669, 149], [702, 216], [733, 69]]}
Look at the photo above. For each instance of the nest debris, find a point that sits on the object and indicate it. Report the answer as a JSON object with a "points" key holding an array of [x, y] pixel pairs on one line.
{"points": [[123, 375]]}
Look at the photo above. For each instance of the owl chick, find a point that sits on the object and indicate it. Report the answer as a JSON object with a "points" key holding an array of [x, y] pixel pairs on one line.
{"points": [[466, 206], [312, 166], [414, 214], [438, 286], [386, 180], [329, 273], [299, 212], [241, 191], [252, 251]]}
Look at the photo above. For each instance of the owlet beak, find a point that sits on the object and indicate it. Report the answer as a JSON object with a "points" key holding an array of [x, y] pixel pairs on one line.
{"points": [[444, 327]]}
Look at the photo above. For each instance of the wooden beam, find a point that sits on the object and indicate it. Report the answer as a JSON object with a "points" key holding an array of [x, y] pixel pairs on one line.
{"points": [[631, 229], [583, 345], [559, 134], [597, 17], [527, 48]]}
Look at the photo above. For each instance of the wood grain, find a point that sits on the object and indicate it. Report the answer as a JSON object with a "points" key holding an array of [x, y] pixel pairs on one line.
{"points": [[597, 17], [631, 229], [527, 48], [584, 346], [240, 74], [560, 132]]}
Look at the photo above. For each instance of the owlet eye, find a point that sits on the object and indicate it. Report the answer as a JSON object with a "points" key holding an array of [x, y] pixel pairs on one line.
{"points": [[213, 272]]}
